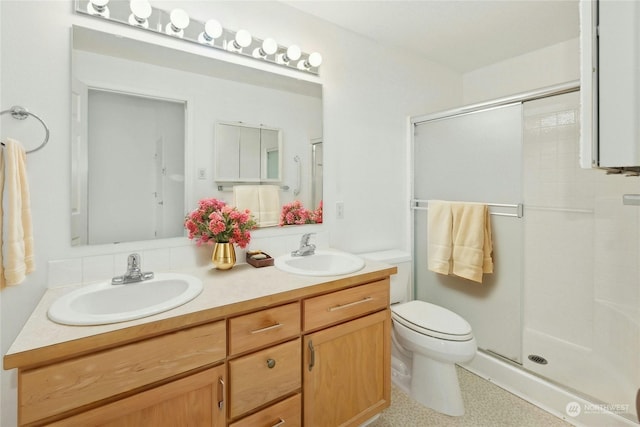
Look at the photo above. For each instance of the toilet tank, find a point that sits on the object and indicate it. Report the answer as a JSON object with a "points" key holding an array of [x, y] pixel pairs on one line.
{"points": [[401, 281]]}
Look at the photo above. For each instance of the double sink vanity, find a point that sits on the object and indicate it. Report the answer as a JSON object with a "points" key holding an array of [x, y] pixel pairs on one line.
{"points": [[269, 346]]}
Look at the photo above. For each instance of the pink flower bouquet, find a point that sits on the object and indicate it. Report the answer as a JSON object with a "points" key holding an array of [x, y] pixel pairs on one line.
{"points": [[294, 213], [215, 221]]}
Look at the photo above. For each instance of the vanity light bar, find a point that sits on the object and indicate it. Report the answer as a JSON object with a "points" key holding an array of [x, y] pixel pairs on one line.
{"points": [[177, 23]]}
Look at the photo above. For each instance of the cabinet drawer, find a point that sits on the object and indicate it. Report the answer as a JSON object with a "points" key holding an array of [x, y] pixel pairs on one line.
{"points": [[286, 413], [263, 376], [338, 306], [264, 327], [57, 388]]}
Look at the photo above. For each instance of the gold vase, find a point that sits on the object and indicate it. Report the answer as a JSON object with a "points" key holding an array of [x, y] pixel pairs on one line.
{"points": [[224, 256]]}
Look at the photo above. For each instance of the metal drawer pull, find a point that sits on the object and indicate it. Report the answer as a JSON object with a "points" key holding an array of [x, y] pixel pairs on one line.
{"points": [[312, 355], [268, 328], [271, 363], [350, 304], [221, 393], [279, 423]]}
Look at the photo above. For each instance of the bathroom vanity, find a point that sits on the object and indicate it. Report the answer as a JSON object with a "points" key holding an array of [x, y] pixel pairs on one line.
{"points": [[258, 347]]}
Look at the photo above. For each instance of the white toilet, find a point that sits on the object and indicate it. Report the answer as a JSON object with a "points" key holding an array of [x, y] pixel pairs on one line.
{"points": [[428, 341]]}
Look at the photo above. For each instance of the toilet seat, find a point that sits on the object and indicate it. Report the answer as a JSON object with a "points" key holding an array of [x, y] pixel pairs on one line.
{"points": [[432, 320]]}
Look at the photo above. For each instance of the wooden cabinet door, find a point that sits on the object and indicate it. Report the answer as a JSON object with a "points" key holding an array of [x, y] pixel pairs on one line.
{"points": [[347, 372], [193, 401]]}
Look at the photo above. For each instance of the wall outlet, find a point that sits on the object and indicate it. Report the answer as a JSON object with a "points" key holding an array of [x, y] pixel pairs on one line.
{"points": [[202, 173], [339, 210]]}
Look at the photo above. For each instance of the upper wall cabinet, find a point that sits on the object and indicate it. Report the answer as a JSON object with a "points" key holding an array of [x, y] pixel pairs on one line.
{"points": [[610, 84], [248, 153]]}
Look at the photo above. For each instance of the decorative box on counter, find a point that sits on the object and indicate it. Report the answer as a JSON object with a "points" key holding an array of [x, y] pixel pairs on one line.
{"points": [[259, 259]]}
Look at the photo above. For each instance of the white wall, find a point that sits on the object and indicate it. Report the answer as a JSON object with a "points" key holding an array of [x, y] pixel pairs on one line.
{"points": [[549, 66], [369, 93]]}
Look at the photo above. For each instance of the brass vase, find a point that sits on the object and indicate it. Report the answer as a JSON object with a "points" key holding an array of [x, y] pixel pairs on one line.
{"points": [[224, 256]]}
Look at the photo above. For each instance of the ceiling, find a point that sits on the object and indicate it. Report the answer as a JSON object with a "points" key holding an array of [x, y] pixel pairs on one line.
{"points": [[461, 34]]}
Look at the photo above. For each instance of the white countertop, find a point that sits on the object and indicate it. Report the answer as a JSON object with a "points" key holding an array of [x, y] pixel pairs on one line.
{"points": [[220, 289]]}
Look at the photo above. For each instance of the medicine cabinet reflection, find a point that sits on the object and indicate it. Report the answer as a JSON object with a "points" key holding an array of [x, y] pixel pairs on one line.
{"points": [[246, 153]]}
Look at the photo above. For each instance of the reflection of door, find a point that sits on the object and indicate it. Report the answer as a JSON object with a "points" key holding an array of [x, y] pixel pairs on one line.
{"points": [[126, 133], [79, 97]]}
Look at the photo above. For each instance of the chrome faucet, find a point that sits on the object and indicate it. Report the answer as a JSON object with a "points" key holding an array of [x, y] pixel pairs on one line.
{"points": [[305, 248], [134, 273]]}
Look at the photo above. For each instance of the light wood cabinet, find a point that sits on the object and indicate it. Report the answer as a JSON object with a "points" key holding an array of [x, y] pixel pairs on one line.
{"points": [[287, 413], [263, 377], [197, 401], [347, 372], [55, 389]]}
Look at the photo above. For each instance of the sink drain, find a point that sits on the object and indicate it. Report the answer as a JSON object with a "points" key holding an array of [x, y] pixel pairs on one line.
{"points": [[537, 359]]}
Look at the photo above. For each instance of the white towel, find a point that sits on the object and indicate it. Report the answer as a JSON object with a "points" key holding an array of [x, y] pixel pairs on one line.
{"points": [[17, 236], [247, 197], [269, 202], [262, 200]]}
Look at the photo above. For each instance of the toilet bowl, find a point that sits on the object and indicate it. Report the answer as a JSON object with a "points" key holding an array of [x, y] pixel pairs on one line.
{"points": [[428, 340]]}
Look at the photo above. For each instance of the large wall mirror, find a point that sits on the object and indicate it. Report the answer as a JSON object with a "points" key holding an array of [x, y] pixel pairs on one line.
{"points": [[147, 143]]}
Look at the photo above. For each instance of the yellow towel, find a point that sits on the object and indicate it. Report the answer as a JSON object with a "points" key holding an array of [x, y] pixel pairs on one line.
{"points": [[471, 236], [17, 259], [439, 236], [459, 239]]}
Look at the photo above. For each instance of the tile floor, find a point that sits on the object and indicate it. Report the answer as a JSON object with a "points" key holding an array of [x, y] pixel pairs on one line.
{"points": [[486, 405]]}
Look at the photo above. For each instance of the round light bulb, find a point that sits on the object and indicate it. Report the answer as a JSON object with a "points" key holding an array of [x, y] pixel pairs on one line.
{"points": [[140, 11], [140, 8], [269, 46], [293, 52], [212, 30], [315, 59], [179, 19], [98, 7], [243, 38]]}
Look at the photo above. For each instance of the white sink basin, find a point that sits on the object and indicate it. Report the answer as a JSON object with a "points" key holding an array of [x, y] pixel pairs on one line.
{"points": [[322, 263], [104, 303]]}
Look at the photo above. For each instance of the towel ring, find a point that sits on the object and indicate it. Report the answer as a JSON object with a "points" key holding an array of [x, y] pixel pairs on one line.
{"points": [[21, 113]]}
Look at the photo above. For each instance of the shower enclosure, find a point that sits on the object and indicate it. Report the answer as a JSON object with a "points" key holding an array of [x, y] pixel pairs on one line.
{"points": [[563, 301]]}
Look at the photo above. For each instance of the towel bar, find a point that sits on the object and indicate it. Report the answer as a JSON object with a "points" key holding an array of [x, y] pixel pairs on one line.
{"points": [[415, 204]]}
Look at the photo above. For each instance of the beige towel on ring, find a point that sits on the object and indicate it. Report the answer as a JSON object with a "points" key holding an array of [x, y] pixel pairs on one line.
{"points": [[16, 257]]}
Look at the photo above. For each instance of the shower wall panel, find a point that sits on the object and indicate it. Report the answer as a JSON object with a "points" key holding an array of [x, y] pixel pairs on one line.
{"points": [[582, 277], [475, 157]]}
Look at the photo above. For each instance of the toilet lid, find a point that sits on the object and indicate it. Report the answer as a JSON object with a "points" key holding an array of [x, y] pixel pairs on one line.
{"points": [[432, 320]]}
